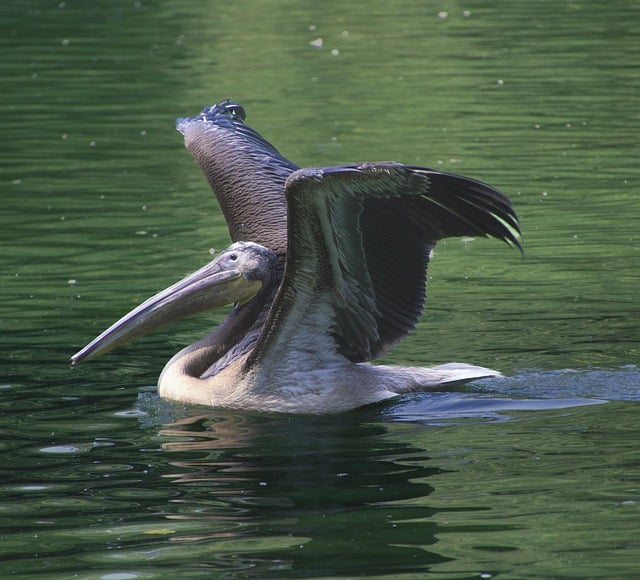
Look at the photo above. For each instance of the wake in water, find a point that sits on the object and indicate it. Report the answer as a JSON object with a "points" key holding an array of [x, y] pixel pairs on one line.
{"points": [[484, 400], [493, 400]]}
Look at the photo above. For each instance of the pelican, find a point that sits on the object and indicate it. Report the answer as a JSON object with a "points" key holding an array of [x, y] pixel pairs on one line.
{"points": [[327, 270]]}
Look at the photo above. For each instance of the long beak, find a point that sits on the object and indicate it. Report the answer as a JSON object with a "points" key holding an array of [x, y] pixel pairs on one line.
{"points": [[209, 287]]}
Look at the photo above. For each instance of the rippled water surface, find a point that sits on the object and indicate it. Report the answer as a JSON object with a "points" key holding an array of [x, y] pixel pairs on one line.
{"points": [[533, 475]]}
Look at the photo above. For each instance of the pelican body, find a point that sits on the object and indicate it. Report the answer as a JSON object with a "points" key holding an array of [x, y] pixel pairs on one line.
{"points": [[327, 270]]}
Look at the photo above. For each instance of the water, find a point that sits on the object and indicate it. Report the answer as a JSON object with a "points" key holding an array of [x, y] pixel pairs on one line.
{"points": [[534, 475]]}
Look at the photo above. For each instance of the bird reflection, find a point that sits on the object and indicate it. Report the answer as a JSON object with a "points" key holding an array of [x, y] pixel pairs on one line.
{"points": [[306, 495]]}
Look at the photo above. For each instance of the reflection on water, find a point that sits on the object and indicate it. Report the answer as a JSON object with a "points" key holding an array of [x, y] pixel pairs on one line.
{"points": [[326, 494], [440, 482], [102, 207]]}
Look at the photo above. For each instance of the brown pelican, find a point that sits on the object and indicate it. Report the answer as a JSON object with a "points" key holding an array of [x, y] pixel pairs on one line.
{"points": [[355, 241]]}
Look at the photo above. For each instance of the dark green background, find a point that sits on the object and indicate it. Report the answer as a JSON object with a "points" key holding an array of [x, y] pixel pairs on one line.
{"points": [[102, 206]]}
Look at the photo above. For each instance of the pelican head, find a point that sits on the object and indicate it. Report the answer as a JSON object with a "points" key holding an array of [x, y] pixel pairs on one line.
{"points": [[235, 276]]}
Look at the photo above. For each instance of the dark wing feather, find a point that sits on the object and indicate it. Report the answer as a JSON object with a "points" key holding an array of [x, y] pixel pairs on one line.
{"points": [[398, 236], [460, 206], [359, 240], [397, 255]]}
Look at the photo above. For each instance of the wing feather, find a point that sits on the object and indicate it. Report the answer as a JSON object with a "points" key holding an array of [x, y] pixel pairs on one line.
{"points": [[359, 242]]}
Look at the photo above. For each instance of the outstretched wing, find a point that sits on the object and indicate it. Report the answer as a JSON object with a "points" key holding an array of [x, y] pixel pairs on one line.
{"points": [[398, 236], [359, 239], [246, 173]]}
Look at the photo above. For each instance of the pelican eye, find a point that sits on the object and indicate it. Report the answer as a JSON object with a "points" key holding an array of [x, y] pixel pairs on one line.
{"points": [[233, 257]]}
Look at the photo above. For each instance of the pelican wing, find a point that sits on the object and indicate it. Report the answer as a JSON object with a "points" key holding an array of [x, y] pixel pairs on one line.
{"points": [[359, 240], [398, 236], [245, 172]]}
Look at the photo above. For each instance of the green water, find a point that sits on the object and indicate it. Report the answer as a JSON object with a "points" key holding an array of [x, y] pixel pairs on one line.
{"points": [[535, 475]]}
